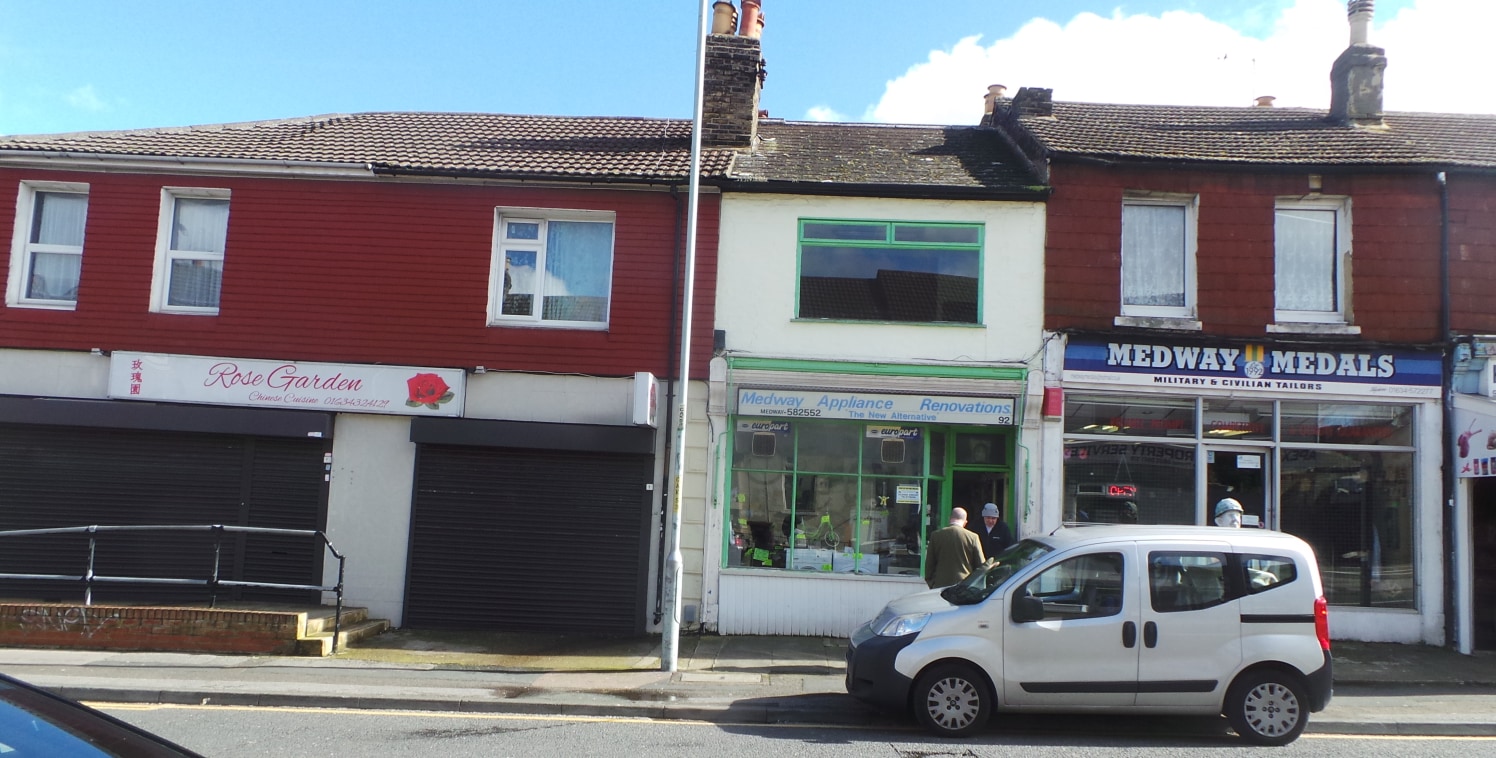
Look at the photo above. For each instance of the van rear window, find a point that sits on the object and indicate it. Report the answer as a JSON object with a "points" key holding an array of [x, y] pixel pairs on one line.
{"points": [[1265, 572]]}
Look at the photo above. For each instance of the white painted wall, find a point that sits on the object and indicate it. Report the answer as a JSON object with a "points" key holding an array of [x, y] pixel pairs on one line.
{"points": [[756, 288], [54, 373], [368, 510], [805, 604], [758, 266]]}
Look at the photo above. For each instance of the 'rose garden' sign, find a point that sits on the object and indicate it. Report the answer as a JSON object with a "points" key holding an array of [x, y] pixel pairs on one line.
{"points": [[329, 387]]}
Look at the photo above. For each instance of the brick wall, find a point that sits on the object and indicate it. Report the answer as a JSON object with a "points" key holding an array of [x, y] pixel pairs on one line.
{"points": [[109, 627], [730, 92]]}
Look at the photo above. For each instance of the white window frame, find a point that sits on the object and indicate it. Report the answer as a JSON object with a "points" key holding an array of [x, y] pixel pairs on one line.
{"points": [[1341, 206], [501, 245], [1190, 204], [23, 251], [161, 280]]}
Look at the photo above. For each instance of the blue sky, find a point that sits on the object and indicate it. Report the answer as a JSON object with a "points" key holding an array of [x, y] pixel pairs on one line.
{"points": [[107, 64]]}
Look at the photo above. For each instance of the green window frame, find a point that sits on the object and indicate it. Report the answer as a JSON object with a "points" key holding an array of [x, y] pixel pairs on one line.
{"points": [[915, 272]]}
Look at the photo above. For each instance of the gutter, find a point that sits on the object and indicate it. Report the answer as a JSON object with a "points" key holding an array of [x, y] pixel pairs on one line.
{"points": [[55, 159], [1036, 193]]}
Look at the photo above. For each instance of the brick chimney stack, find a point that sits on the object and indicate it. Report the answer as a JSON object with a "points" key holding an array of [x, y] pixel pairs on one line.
{"points": [[734, 78], [1356, 76]]}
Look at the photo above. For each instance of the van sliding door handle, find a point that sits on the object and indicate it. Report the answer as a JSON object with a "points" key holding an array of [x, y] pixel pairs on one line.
{"points": [[1129, 634], [1150, 634]]}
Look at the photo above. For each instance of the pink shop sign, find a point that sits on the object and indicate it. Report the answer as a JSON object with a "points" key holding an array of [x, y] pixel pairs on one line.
{"points": [[327, 387]]}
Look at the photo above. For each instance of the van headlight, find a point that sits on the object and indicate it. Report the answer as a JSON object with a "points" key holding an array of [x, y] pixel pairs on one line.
{"points": [[898, 626]]}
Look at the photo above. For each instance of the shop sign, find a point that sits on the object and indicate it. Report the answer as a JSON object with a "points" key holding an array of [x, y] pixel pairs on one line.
{"points": [[1256, 369], [1475, 443], [933, 409], [328, 387]]}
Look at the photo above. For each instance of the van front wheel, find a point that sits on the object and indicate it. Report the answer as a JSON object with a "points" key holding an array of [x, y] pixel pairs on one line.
{"points": [[1267, 707], [952, 700]]}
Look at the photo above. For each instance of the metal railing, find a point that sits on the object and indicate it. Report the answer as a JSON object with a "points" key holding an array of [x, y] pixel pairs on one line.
{"points": [[89, 578]]}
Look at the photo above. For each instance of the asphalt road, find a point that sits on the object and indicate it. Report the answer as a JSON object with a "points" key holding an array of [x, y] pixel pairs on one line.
{"points": [[230, 731]]}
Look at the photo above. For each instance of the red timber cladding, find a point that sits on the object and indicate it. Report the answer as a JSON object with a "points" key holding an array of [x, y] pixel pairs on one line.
{"points": [[365, 272], [1472, 253], [1395, 243]]}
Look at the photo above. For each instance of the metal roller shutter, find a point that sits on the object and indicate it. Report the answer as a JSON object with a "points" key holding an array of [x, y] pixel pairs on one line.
{"points": [[526, 540], [67, 476]]}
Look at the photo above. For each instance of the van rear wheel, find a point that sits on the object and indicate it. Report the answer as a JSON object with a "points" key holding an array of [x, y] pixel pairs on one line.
{"points": [[952, 700], [1267, 707]]}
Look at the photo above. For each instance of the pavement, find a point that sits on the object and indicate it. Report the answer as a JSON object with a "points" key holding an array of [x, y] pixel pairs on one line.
{"points": [[1380, 689]]}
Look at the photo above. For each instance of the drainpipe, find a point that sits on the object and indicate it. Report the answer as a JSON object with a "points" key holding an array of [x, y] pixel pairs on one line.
{"points": [[1446, 338]]}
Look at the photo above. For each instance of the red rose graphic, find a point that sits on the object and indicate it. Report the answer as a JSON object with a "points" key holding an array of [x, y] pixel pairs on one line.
{"points": [[428, 390]]}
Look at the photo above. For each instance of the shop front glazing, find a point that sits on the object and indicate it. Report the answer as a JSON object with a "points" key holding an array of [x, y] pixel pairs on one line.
{"points": [[847, 497], [1339, 475]]}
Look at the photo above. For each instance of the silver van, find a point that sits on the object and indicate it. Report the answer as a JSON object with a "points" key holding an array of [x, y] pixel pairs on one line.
{"points": [[1156, 619]]}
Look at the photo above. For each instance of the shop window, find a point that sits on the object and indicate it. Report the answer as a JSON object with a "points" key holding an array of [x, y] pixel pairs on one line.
{"points": [[890, 271], [1312, 243], [1131, 416], [1347, 424], [1158, 256], [551, 268], [190, 250], [828, 497], [1227, 418], [1129, 482], [1354, 507], [47, 254], [893, 450]]}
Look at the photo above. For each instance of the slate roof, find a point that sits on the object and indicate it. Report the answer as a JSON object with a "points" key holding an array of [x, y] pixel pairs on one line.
{"points": [[1256, 135], [443, 144], [973, 159]]}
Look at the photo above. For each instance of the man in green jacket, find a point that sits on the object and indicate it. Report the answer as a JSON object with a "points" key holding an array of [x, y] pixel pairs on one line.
{"points": [[954, 552]]}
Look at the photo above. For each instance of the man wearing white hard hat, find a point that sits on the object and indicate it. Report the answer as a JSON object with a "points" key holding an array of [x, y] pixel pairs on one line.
{"points": [[1228, 513]]}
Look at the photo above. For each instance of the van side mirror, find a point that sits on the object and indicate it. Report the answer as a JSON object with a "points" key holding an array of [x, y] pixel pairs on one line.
{"points": [[1027, 608]]}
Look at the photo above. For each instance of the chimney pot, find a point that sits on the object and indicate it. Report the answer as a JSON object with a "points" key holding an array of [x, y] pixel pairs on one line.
{"points": [[724, 17], [994, 94], [1265, 101], [1359, 12], [751, 24]]}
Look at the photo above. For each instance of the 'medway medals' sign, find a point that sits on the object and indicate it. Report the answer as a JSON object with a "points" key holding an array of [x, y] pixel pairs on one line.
{"points": [[1310, 370], [329, 387]]}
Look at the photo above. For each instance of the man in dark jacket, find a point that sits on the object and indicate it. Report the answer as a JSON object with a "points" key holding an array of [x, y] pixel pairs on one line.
{"points": [[993, 532]]}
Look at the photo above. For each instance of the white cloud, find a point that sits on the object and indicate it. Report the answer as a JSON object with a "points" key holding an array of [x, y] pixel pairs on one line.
{"points": [[823, 113], [1434, 54], [85, 98]]}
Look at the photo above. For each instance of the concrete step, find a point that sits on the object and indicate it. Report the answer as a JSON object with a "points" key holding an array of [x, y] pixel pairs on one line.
{"points": [[322, 623], [320, 644]]}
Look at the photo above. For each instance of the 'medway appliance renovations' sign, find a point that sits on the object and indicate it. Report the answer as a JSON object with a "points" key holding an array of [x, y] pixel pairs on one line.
{"points": [[332, 387], [939, 409], [1280, 369]]}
